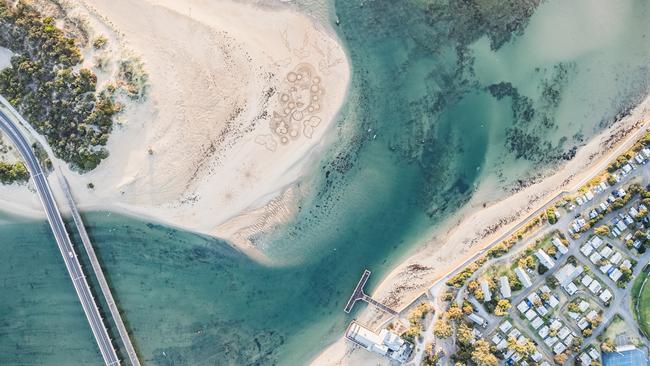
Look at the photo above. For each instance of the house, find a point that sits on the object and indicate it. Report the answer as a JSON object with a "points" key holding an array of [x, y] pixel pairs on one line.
{"points": [[616, 258], [615, 274], [589, 196], [583, 323], [550, 341], [543, 332], [595, 257], [523, 277], [586, 249], [496, 339], [477, 319], [571, 288], [556, 325], [560, 247], [646, 152], [541, 310], [606, 295], [606, 268], [595, 241], [559, 348], [505, 287], [505, 326], [595, 287], [585, 359], [534, 298], [591, 315], [537, 322], [603, 206], [606, 252], [553, 302], [523, 307], [567, 273], [586, 280], [621, 226], [530, 314], [595, 355], [544, 259], [485, 287], [626, 264], [583, 306], [386, 343], [627, 168], [563, 333], [503, 344]]}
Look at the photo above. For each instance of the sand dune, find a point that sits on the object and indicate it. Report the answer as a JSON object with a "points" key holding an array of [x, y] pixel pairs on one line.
{"points": [[238, 99]]}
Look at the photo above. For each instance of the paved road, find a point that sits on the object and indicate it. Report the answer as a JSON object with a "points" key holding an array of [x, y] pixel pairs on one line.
{"points": [[62, 240]]}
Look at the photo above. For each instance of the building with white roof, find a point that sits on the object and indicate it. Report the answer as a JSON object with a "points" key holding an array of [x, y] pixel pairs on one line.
{"points": [[626, 264], [559, 348], [595, 287], [386, 343], [537, 322], [616, 258], [523, 307], [530, 314], [553, 302], [505, 290], [586, 280], [595, 241], [545, 259], [556, 324], [591, 315], [606, 251], [595, 257], [558, 244], [583, 323], [496, 339], [542, 310], [543, 332], [585, 359], [570, 288], [595, 355], [583, 306], [605, 268], [523, 277], [586, 249], [615, 274], [563, 333], [505, 326], [503, 344], [606, 295], [620, 225], [485, 287], [567, 273], [550, 341]]}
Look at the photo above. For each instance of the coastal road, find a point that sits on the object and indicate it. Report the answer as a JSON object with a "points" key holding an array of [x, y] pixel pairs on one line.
{"points": [[62, 239]]}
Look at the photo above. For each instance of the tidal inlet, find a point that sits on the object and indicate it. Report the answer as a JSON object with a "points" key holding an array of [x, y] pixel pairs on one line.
{"points": [[204, 182]]}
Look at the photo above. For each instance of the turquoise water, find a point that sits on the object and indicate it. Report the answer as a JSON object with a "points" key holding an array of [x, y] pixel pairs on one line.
{"points": [[443, 96]]}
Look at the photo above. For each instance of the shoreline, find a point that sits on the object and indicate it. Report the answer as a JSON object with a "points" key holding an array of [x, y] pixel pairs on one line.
{"points": [[401, 285], [201, 153]]}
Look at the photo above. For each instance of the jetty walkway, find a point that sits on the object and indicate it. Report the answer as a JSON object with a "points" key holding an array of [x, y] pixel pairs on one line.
{"points": [[358, 294]]}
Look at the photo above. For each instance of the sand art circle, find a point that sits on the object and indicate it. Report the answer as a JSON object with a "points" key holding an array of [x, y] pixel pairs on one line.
{"points": [[299, 100]]}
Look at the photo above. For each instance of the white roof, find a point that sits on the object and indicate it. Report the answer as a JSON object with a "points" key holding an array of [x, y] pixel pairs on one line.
{"points": [[496, 339], [530, 314], [523, 277], [596, 241], [616, 258], [556, 324], [505, 287], [627, 264], [585, 359], [583, 305], [616, 274], [571, 288], [595, 257], [591, 315], [583, 323], [586, 249], [606, 252], [503, 344], [537, 322], [606, 295], [586, 280], [544, 259], [553, 301], [595, 355], [543, 332], [621, 225], [550, 341], [595, 287], [567, 273], [522, 307], [363, 335], [563, 333], [559, 348], [542, 310], [505, 326]]}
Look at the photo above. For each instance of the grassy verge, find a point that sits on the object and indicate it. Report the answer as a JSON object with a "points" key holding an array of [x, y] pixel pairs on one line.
{"points": [[641, 301]]}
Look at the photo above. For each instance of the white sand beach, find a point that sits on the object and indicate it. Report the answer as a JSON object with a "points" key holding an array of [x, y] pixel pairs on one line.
{"points": [[474, 227], [238, 99]]}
